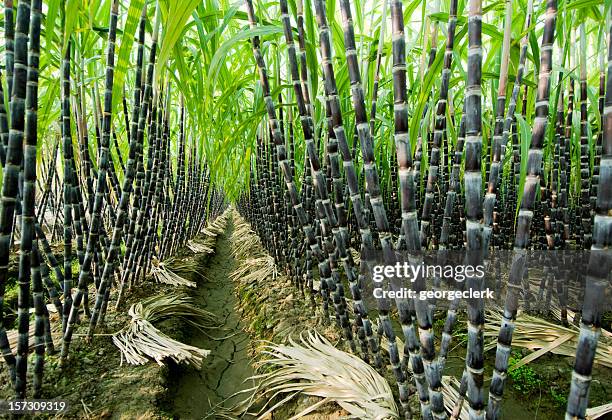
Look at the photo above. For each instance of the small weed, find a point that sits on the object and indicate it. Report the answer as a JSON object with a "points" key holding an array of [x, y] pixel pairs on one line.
{"points": [[559, 397], [460, 338], [438, 324], [524, 379], [11, 291], [76, 267]]}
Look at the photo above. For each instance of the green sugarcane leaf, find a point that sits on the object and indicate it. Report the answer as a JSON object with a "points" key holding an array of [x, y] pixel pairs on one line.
{"points": [[219, 57], [177, 14], [593, 97], [358, 15], [491, 30], [182, 69], [535, 50], [409, 10], [125, 48], [579, 4], [72, 9], [52, 11]]}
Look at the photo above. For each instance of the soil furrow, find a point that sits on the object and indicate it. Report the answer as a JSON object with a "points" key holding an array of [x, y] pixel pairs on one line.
{"points": [[195, 394]]}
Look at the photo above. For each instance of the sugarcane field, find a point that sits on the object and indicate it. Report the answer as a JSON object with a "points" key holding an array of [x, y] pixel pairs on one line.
{"points": [[317, 209]]}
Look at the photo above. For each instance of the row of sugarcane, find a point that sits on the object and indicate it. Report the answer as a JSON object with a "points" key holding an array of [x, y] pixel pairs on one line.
{"points": [[120, 228], [356, 207]]}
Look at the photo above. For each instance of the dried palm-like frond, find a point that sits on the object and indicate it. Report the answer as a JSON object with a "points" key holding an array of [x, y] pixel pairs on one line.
{"points": [[141, 341], [315, 367], [179, 305], [205, 242], [244, 240], [599, 411], [255, 270], [245, 244], [220, 222], [261, 288], [206, 231], [163, 275], [535, 333], [13, 337], [450, 390], [203, 247], [184, 266], [246, 247], [215, 227], [556, 312]]}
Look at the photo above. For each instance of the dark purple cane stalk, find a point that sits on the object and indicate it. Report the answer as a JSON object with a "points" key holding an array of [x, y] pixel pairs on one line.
{"points": [[532, 181]]}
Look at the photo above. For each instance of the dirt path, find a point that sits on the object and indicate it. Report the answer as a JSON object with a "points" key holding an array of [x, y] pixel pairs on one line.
{"points": [[228, 366]]}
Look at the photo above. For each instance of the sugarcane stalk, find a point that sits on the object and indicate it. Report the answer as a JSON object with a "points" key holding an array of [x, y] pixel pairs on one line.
{"points": [[67, 190], [319, 181], [103, 161], [24, 96], [585, 150], [439, 130], [374, 190], [534, 171], [39, 308], [9, 45], [498, 144], [140, 112], [598, 269], [474, 362], [10, 193], [4, 128], [279, 144], [424, 369]]}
